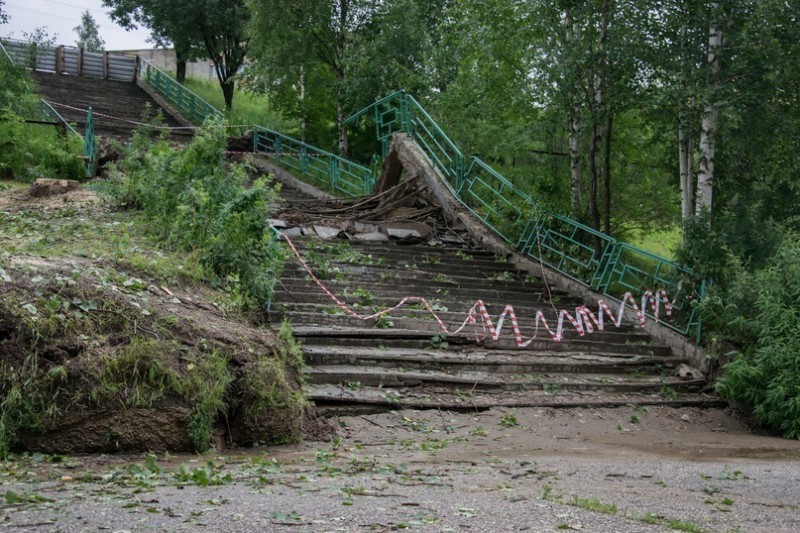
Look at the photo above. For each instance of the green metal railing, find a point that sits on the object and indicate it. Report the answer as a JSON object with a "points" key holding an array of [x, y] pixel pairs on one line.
{"points": [[47, 111], [325, 169], [329, 171], [187, 103], [89, 147], [573, 249]]}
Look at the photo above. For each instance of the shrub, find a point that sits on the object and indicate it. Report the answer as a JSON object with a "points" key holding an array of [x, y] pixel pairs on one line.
{"points": [[766, 375], [197, 201], [30, 151]]}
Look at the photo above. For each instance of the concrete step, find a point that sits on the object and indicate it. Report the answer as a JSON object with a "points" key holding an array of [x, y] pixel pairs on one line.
{"points": [[338, 400], [121, 100], [411, 338], [494, 361], [371, 376]]}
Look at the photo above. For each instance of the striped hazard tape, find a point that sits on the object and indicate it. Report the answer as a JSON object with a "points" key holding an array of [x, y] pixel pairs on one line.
{"points": [[582, 319]]}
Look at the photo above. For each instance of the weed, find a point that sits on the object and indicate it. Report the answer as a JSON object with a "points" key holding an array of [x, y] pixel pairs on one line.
{"points": [[478, 431], [594, 505], [442, 278], [439, 341], [503, 276], [508, 420], [669, 393], [362, 296], [734, 475], [383, 323]]}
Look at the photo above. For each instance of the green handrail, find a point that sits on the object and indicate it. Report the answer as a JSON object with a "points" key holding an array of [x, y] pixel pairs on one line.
{"points": [[48, 111], [573, 249], [336, 174], [89, 149], [186, 102]]}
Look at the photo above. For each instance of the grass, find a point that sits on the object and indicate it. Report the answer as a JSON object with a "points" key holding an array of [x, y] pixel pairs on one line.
{"points": [[248, 108], [119, 237], [663, 243]]}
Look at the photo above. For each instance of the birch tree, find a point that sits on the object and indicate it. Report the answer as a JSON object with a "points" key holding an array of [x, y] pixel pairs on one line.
{"points": [[708, 130]]}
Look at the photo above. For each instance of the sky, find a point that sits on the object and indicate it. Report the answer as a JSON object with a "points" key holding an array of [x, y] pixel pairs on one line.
{"points": [[61, 16]]}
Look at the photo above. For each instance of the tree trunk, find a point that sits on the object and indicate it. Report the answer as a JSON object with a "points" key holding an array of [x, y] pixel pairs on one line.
{"points": [[340, 118], [594, 156], [685, 169], [227, 92], [708, 125], [607, 172], [182, 54], [576, 182], [180, 71], [303, 109], [575, 131]]}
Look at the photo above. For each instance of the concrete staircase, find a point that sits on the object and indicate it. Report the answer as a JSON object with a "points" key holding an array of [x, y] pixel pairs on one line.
{"points": [[124, 101], [404, 361]]}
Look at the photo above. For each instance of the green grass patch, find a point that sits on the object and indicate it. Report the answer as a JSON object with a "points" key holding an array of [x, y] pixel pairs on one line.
{"points": [[662, 243], [249, 109]]}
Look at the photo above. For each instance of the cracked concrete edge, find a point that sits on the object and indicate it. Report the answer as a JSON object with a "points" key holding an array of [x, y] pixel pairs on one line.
{"points": [[282, 176], [415, 162]]}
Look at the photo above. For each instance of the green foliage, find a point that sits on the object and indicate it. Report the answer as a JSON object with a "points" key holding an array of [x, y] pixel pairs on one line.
{"points": [[196, 201], [766, 375], [30, 151], [88, 33], [252, 107]]}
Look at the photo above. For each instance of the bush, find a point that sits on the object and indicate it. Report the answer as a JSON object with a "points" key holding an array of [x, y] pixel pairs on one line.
{"points": [[765, 308], [197, 201], [30, 151]]}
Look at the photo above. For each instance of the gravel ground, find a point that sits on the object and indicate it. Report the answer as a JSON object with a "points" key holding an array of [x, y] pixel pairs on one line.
{"points": [[614, 470]]}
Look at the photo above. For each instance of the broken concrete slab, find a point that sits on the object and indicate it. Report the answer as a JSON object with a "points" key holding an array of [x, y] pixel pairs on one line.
{"points": [[363, 227], [277, 223], [327, 232], [374, 236], [292, 232], [407, 230]]}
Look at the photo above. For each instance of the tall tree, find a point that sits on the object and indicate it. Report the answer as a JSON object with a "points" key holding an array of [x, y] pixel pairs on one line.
{"points": [[160, 18], [217, 27], [708, 131], [305, 33], [88, 33]]}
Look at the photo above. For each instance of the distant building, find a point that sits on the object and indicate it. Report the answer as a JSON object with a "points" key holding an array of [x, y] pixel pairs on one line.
{"points": [[164, 58]]}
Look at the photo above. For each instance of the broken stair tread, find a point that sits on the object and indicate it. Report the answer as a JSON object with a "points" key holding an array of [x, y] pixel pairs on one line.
{"points": [[474, 354], [427, 398], [388, 334], [565, 380], [470, 356]]}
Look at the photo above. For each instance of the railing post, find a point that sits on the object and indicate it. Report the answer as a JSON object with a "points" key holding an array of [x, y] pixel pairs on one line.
{"points": [[333, 173], [88, 144]]}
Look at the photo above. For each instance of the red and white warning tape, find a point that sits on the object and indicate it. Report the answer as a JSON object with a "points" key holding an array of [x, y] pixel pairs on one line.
{"points": [[583, 320]]}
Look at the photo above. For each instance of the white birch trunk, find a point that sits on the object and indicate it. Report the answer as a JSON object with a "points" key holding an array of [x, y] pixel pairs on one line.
{"points": [[708, 128], [685, 164], [576, 182], [575, 130]]}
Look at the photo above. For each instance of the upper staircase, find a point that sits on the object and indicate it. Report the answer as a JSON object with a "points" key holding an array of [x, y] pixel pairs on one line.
{"points": [[118, 106]]}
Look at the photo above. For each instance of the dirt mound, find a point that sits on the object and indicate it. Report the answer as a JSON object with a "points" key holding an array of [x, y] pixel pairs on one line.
{"points": [[96, 359]]}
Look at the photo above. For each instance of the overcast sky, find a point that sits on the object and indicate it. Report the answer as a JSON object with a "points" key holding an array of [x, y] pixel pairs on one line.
{"points": [[60, 16]]}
